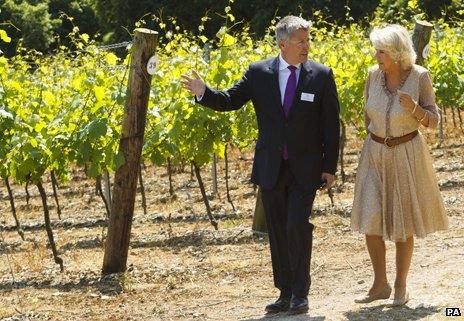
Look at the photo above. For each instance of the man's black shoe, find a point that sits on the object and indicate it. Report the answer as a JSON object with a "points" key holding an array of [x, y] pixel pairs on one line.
{"points": [[298, 305], [282, 304]]}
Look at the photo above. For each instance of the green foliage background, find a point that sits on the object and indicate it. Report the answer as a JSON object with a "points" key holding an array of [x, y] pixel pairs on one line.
{"points": [[66, 108]]}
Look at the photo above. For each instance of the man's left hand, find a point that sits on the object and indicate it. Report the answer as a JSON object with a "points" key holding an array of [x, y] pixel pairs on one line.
{"points": [[329, 178]]}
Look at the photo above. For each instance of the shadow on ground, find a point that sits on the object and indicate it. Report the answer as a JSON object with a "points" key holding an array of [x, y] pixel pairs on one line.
{"points": [[286, 317], [383, 312], [107, 285]]}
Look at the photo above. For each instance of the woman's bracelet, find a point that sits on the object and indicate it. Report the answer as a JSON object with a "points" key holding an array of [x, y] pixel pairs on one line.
{"points": [[423, 117], [414, 110]]}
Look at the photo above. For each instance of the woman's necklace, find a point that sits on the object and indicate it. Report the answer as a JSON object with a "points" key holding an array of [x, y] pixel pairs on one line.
{"points": [[391, 95]]}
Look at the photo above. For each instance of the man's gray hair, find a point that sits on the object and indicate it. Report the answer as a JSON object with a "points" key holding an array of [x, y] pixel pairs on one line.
{"points": [[289, 24]]}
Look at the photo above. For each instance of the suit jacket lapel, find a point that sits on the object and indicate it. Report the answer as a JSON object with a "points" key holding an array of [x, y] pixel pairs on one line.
{"points": [[275, 88], [306, 74]]}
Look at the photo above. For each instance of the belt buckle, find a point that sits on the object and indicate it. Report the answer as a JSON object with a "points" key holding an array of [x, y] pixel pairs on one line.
{"points": [[387, 140]]}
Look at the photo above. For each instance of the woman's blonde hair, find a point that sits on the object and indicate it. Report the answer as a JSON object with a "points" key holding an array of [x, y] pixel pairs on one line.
{"points": [[396, 41]]}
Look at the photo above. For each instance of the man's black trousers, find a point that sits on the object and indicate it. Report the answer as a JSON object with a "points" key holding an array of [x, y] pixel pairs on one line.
{"points": [[287, 207]]}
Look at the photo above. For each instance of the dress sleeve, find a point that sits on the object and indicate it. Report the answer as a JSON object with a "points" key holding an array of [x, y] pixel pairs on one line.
{"points": [[427, 101], [367, 121]]}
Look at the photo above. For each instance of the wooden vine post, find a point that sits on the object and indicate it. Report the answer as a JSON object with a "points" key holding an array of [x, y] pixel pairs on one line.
{"points": [[259, 220], [133, 128], [420, 39]]}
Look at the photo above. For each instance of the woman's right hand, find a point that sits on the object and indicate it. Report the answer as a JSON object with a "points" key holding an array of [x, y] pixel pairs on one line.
{"points": [[406, 101]]}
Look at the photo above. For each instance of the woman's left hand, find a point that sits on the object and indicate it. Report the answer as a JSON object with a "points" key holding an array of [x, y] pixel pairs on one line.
{"points": [[406, 101]]}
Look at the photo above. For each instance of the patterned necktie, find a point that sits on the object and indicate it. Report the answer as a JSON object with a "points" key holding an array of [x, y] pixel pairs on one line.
{"points": [[288, 99]]}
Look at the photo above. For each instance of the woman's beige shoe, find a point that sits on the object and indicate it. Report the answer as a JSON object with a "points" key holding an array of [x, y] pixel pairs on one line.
{"points": [[382, 294], [400, 301]]}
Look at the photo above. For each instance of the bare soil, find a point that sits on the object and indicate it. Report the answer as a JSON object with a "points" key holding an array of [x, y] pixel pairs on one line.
{"points": [[180, 268]]}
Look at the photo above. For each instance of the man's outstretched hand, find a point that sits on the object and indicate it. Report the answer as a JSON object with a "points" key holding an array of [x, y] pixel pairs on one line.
{"points": [[195, 85]]}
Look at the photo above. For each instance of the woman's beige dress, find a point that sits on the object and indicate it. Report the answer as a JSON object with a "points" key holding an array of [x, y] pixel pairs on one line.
{"points": [[396, 191]]}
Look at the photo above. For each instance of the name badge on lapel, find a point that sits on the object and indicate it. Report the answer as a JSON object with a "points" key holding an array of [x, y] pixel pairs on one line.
{"points": [[307, 97]]}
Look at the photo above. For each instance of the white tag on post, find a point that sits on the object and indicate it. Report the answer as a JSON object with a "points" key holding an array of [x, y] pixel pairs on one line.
{"points": [[426, 51], [151, 65]]}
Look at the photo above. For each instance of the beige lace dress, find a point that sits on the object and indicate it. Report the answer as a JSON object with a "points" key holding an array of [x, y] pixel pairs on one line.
{"points": [[396, 191]]}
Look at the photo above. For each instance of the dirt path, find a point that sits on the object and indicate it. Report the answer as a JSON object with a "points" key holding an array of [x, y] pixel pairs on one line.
{"points": [[181, 269]]}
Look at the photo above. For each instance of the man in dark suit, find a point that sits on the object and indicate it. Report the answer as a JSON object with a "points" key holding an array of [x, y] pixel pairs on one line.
{"points": [[297, 111]]}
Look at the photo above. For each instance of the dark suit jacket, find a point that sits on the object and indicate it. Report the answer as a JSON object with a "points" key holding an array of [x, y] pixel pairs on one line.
{"points": [[311, 130]]}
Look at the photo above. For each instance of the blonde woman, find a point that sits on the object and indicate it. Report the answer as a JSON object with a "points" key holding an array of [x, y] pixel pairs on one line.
{"points": [[396, 191]]}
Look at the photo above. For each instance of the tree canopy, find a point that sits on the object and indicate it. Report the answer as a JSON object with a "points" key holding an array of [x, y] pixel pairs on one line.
{"points": [[43, 25]]}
